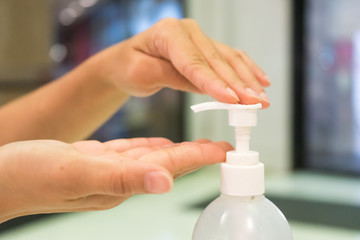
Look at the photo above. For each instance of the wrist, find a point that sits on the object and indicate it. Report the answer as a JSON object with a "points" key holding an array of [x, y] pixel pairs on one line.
{"points": [[107, 69], [9, 205], [126, 69], [94, 72]]}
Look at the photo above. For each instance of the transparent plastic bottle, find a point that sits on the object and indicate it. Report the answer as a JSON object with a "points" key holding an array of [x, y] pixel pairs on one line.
{"points": [[242, 218], [241, 212]]}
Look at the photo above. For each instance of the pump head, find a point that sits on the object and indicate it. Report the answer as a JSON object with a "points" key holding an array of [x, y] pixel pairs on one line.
{"points": [[239, 115], [242, 117], [242, 174]]}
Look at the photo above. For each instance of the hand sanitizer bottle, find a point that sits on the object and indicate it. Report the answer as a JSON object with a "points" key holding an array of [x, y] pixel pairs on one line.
{"points": [[241, 212]]}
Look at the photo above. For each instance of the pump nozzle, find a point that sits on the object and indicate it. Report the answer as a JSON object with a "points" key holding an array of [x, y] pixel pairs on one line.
{"points": [[239, 115], [242, 174], [242, 117]]}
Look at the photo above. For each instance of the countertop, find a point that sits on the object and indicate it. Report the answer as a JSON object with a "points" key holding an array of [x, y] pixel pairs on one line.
{"points": [[172, 216]]}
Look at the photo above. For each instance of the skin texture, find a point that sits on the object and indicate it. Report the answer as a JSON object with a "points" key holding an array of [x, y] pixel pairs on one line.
{"points": [[173, 53], [43, 176]]}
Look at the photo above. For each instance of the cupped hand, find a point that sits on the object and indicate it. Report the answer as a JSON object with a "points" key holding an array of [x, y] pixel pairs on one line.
{"points": [[45, 176], [177, 54]]}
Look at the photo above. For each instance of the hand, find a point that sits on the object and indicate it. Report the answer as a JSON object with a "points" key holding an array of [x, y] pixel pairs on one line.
{"points": [[45, 176], [176, 54]]}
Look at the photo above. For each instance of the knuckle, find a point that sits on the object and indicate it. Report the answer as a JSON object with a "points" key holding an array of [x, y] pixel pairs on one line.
{"points": [[191, 71], [117, 183], [241, 52], [214, 55], [168, 23], [193, 66], [237, 55], [172, 157], [102, 202], [135, 141], [165, 140], [190, 22], [199, 149]]}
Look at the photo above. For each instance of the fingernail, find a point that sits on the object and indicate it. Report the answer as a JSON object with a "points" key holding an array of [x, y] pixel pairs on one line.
{"points": [[264, 100], [253, 93], [267, 78], [233, 94], [157, 182], [264, 96]]}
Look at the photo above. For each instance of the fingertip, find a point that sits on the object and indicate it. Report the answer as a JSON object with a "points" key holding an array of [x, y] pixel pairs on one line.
{"points": [[263, 79], [252, 93], [266, 81], [225, 146], [221, 92], [225, 95], [158, 182], [248, 96], [232, 94], [265, 102], [265, 84]]}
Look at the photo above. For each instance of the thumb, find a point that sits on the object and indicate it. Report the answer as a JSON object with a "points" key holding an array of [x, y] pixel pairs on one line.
{"points": [[132, 177]]}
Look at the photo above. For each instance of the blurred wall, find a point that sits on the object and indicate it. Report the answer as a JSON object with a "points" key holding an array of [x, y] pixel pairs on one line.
{"points": [[263, 29], [24, 39]]}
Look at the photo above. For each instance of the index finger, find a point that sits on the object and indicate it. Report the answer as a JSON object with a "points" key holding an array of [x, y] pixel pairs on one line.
{"points": [[121, 145], [187, 157]]}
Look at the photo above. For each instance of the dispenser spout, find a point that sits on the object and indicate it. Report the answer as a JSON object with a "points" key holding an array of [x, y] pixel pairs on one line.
{"points": [[242, 174], [240, 115], [218, 105]]}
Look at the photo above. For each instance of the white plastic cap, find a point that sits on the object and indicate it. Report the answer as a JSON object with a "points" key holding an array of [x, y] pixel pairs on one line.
{"points": [[242, 174], [239, 115]]}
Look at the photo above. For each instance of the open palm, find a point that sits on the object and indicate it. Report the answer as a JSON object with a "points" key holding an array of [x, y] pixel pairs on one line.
{"points": [[44, 176]]}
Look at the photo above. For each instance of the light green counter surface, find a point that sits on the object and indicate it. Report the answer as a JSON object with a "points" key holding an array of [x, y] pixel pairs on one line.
{"points": [[170, 217]]}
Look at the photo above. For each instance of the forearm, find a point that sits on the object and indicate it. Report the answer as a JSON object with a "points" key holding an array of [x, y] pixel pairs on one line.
{"points": [[67, 109], [174, 53]]}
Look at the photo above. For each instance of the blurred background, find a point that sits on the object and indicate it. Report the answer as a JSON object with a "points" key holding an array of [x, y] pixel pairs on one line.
{"points": [[42, 41], [309, 139]]}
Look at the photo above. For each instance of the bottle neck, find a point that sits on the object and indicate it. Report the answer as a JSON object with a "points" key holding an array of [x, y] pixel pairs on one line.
{"points": [[242, 180], [243, 198], [242, 139]]}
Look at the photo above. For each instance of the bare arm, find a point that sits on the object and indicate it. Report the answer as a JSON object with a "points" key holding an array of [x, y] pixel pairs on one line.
{"points": [[67, 109], [173, 53]]}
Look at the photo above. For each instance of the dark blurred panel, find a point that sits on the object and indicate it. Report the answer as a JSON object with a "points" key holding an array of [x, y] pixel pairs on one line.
{"points": [[82, 31], [327, 116]]}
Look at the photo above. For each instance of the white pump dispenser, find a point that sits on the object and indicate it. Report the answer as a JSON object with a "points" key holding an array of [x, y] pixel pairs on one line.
{"points": [[241, 212]]}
